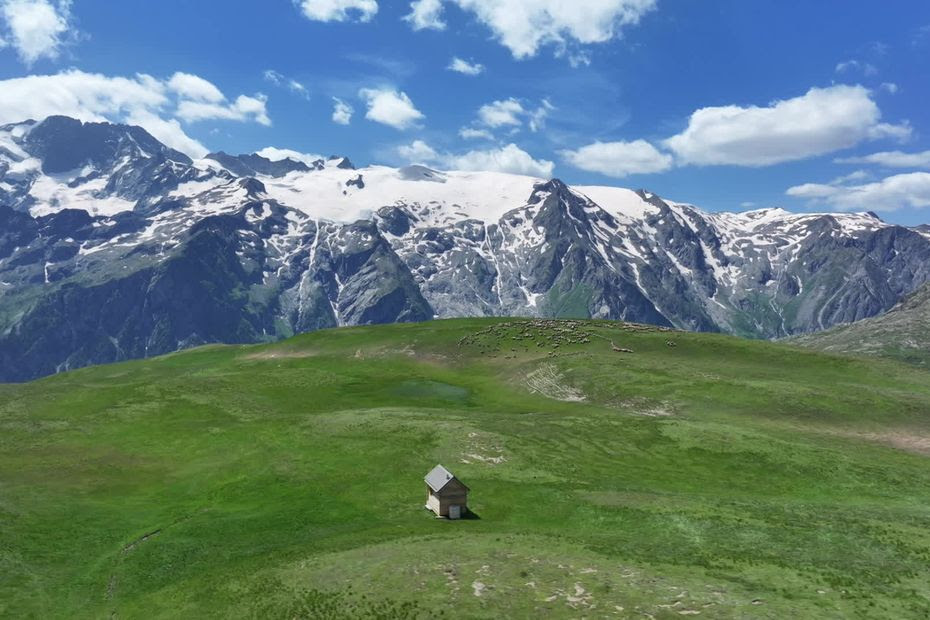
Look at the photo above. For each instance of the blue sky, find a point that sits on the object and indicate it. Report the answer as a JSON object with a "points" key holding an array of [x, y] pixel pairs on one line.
{"points": [[728, 104]]}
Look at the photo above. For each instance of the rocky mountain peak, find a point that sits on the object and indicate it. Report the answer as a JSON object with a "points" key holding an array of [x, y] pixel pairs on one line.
{"points": [[341, 162], [253, 164], [253, 187], [548, 188], [65, 144]]}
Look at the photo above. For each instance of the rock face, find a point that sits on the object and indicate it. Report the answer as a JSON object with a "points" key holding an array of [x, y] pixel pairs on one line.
{"points": [[113, 246]]}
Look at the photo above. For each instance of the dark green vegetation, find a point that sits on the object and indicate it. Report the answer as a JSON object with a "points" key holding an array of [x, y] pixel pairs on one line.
{"points": [[698, 475], [902, 333]]}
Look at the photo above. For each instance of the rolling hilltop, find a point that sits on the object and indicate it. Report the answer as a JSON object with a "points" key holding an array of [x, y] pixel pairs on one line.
{"points": [[694, 474], [901, 333]]}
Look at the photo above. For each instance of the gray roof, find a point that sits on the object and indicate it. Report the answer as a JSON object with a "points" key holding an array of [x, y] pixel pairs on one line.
{"points": [[438, 478]]}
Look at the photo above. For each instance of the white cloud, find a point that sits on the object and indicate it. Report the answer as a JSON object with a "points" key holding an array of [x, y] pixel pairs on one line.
{"points": [[279, 79], [342, 112], [619, 159], [524, 26], [168, 131], [338, 10], [463, 66], [470, 133], [244, 108], [87, 96], [821, 121], [274, 77], [195, 88], [891, 159], [157, 105], [276, 154], [857, 175], [511, 113], [37, 28], [537, 118], [296, 87], [426, 15], [501, 113], [3, 43], [510, 158], [890, 194], [418, 152], [855, 65], [889, 87], [812, 191], [390, 107]]}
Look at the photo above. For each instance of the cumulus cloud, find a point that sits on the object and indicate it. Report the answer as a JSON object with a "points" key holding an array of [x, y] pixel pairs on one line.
{"points": [[168, 131], [821, 121], [390, 107], [501, 113], [418, 152], [619, 159], [244, 108], [342, 112], [470, 133], [464, 67], [891, 159], [36, 28], [338, 10], [158, 105], [511, 113], [889, 194], [195, 88], [276, 154], [426, 15], [510, 158], [524, 26]]}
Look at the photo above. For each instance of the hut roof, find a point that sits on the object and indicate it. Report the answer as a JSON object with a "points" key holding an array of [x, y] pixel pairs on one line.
{"points": [[439, 477]]}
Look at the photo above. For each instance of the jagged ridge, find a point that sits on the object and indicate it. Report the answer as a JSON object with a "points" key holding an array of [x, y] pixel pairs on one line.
{"points": [[124, 248]]}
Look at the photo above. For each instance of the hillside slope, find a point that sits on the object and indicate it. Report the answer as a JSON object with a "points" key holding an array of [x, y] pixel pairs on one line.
{"points": [[698, 474], [902, 333]]}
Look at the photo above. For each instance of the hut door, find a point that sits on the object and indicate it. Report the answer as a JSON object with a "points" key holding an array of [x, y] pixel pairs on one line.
{"points": [[455, 511]]}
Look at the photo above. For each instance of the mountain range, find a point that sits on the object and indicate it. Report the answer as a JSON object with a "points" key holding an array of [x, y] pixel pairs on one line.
{"points": [[114, 246]]}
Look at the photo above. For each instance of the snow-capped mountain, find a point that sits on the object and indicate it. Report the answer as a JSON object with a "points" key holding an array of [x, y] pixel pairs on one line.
{"points": [[113, 246]]}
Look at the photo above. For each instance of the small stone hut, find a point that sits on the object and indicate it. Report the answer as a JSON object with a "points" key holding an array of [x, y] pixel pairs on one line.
{"points": [[446, 495]]}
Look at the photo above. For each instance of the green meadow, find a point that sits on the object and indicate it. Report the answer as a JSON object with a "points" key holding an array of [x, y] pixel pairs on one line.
{"points": [[689, 475]]}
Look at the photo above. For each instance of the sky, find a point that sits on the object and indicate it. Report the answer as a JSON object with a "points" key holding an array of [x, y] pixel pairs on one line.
{"points": [[726, 104]]}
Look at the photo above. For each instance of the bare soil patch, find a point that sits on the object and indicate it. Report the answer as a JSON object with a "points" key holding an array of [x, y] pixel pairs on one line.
{"points": [[909, 441], [279, 355], [549, 382]]}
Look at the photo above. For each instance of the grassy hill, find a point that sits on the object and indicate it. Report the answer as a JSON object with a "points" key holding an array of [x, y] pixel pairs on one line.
{"points": [[902, 333], [699, 475]]}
